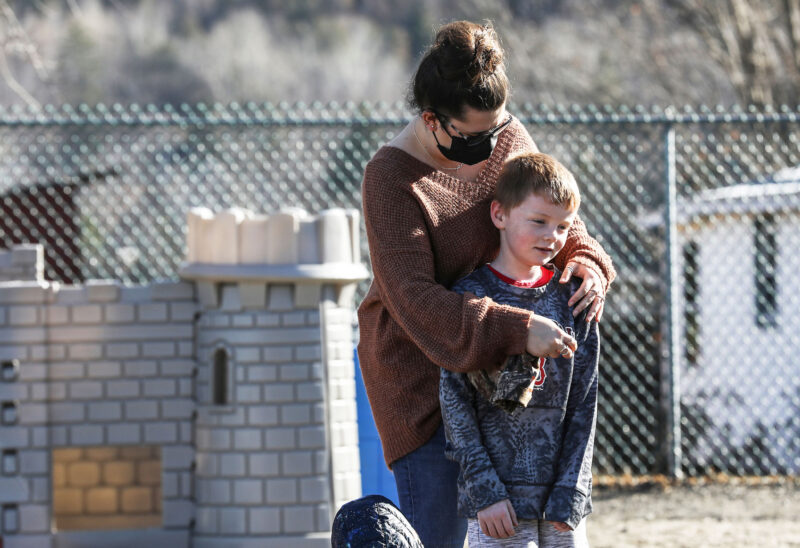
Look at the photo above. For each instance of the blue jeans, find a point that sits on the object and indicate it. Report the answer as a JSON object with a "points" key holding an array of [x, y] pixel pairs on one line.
{"points": [[426, 486]]}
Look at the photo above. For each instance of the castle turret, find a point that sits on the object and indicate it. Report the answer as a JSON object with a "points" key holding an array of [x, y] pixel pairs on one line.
{"points": [[276, 436]]}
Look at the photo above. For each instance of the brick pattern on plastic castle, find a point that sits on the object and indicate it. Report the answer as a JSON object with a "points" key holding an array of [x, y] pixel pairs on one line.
{"points": [[214, 411]]}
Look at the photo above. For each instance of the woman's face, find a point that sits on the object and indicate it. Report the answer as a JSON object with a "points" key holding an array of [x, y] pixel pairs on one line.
{"points": [[472, 122], [469, 139]]}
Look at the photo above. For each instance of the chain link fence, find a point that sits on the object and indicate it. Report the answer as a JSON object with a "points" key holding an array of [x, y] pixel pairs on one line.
{"points": [[699, 209]]}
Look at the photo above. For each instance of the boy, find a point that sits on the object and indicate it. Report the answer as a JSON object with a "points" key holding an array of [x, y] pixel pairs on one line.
{"points": [[523, 436]]}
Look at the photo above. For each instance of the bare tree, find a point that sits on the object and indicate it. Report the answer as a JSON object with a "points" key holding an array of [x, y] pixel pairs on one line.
{"points": [[15, 42], [756, 41]]}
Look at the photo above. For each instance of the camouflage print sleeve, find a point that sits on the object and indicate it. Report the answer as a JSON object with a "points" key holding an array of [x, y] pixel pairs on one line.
{"points": [[567, 500], [464, 446]]}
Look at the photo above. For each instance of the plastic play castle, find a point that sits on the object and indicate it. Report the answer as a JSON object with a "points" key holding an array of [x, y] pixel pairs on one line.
{"points": [[215, 411]]}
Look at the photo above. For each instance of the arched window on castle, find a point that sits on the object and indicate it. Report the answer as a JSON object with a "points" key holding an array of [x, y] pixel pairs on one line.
{"points": [[220, 377]]}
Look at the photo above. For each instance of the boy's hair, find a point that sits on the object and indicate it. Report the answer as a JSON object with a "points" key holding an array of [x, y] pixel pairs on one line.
{"points": [[536, 173]]}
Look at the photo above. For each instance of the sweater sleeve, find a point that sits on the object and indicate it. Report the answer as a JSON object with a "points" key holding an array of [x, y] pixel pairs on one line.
{"points": [[580, 247], [583, 249], [457, 332], [567, 500]]}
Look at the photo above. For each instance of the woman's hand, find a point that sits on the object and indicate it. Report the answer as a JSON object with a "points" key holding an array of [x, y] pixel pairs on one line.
{"points": [[545, 338], [589, 293], [560, 526], [498, 520]]}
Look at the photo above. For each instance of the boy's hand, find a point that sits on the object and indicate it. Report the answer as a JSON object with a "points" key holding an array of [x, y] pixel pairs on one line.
{"points": [[498, 520], [561, 527]]}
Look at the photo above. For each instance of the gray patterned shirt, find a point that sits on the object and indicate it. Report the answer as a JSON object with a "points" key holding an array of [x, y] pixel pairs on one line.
{"points": [[539, 457]]}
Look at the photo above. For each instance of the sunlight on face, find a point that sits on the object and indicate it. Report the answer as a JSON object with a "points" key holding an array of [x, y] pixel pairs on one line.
{"points": [[531, 234], [475, 121]]}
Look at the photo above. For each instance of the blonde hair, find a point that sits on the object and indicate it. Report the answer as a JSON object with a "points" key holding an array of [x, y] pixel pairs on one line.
{"points": [[536, 173]]}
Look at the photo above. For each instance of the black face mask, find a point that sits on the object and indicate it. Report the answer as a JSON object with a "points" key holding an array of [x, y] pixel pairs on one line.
{"points": [[472, 149]]}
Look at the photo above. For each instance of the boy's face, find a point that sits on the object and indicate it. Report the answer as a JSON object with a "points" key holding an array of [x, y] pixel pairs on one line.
{"points": [[533, 232]]}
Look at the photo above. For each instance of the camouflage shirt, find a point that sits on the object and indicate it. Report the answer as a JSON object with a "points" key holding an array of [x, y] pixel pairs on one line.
{"points": [[538, 456]]}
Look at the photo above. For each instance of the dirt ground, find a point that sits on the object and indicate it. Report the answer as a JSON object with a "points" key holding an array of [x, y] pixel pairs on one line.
{"points": [[728, 513]]}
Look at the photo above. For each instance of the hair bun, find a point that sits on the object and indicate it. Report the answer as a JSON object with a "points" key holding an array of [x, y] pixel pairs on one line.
{"points": [[488, 56], [464, 67], [465, 51]]}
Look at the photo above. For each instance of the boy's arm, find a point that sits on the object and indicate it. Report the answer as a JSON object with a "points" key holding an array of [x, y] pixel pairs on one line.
{"points": [[568, 497], [464, 445]]}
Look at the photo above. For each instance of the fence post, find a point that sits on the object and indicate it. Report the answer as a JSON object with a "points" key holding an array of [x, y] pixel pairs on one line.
{"points": [[670, 372]]}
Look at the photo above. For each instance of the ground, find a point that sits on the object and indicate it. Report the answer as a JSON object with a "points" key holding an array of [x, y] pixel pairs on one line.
{"points": [[660, 514]]}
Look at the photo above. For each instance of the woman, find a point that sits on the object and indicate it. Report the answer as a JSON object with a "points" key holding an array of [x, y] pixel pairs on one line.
{"points": [[426, 199]]}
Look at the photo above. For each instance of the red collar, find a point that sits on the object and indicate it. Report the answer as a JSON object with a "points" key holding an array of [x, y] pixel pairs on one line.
{"points": [[546, 276]]}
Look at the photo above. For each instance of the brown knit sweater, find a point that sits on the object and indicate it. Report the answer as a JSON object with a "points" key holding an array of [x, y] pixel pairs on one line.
{"points": [[426, 229]]}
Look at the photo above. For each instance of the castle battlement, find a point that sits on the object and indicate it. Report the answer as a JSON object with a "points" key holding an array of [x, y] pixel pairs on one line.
{"points": [[290, 236], [280, 258], [22, 262]]}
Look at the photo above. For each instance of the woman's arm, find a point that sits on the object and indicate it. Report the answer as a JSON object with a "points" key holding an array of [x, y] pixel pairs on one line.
{"points": [[583, 249], [457, 332], [583, 256]]}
